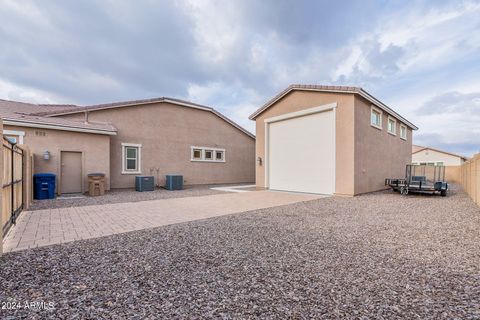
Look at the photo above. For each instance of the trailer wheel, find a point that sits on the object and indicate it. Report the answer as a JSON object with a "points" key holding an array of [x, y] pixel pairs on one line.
{"points": [[443, 193]]}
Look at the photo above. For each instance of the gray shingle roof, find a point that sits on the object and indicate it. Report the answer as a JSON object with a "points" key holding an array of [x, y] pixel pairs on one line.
{"points": [[21, 112]]}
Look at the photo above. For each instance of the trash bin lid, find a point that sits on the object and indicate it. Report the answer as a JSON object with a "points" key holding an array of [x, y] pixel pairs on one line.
{"points": [[44, 175], [97, 174]]}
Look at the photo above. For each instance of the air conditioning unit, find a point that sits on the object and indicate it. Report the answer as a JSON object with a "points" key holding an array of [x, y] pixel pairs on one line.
{"points": [[174, 182], [144, 183]]}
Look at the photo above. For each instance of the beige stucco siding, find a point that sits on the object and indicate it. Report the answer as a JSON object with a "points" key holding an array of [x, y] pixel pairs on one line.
{"points": [[94, 147], [166, 133], [300, 100], [378, 154], [428, 155]]}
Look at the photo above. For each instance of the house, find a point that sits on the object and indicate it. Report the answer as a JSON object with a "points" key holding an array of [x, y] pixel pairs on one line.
{"points": [[432, 156], [329, 140], [124, 139]]}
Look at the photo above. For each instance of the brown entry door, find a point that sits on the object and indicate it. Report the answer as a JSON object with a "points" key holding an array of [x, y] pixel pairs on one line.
{"points": [[71, 179]]}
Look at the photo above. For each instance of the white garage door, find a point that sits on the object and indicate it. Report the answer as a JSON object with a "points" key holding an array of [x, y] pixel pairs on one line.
{"points": [[301, 154]]}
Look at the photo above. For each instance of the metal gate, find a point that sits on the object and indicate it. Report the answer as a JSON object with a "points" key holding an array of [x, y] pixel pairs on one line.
{"points": [[12, 192]]}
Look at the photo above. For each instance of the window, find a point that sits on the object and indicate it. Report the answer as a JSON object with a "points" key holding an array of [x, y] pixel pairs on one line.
{"points": [[197, 154], [131, 154], [392, 126], [208, 154], [14, 136], [12, 139], [440, 163], [376, 118], [403, 132], [205, 154]]}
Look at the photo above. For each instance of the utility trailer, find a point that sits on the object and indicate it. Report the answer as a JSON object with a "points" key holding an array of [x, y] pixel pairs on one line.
{"points": [[420, 178]]}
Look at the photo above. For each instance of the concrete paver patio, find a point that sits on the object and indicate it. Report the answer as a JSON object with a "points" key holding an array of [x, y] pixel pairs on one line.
{"points": [[53, 226]]}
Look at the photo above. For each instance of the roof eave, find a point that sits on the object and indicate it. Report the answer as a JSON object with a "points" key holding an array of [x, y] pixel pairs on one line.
{"points": [[360, 92], [42, 125]]}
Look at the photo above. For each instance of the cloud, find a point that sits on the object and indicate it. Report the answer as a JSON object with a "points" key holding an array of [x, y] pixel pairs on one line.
{"points": [[467, 147], [465, 104], [236, 55]]}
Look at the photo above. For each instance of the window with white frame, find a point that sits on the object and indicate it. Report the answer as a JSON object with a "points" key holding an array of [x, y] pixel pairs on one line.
{"points": [[206, 154], [131, 155], [219, 155], [392, 126], [14, 135], [197, 154], [403, 132], [376, 118]]}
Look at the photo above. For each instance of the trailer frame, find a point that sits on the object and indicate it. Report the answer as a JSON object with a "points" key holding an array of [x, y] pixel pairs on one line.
{"points": [[416, 180]]}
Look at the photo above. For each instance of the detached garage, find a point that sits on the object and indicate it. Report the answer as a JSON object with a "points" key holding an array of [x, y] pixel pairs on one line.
{"points": [[329, 140]]}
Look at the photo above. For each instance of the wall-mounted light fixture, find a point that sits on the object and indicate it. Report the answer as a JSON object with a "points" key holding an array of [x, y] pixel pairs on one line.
{"points": [[46, 155], [259, 161]]}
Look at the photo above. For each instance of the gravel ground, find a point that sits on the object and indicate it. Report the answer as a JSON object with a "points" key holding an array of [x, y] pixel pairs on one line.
{"points": [[125, 195], [380, 256]]}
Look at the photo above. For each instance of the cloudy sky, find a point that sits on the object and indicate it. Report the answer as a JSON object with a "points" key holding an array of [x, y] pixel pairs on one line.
{"points": [[420, 57]]}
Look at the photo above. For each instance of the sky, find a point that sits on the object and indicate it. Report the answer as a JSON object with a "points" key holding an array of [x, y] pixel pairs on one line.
{"points": [[422, 58]]}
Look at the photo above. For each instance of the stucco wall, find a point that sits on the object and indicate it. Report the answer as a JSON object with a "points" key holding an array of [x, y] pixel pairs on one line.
{"points": [[95, 149], [166, 133], [300, 100], [378, 154], [428, 155]]}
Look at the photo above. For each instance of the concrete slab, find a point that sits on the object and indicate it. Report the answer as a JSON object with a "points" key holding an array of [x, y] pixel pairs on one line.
{"points": [[53, 226]]}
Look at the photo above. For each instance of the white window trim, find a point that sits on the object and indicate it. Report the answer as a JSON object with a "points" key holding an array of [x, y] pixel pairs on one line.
{"points": [[20, 134], [373, 108], [394, 133], [139, 158], [203, 154], [406, 132]]}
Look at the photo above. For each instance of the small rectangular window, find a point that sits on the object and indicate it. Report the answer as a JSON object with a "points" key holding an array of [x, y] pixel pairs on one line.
{"points": [[206, 154], [131, 158], [403, 132], [392, 126], [440, 163], [376, 118], [197, 154]]}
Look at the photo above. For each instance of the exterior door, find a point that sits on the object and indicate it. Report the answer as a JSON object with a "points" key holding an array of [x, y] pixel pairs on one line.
{"points": [[71, 172], [302, 154]]}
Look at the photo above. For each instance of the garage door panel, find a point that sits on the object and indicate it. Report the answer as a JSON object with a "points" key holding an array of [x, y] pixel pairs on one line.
{"points": [[302, 154]]}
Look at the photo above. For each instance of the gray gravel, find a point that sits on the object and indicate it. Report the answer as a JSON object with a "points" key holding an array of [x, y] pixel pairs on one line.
{"points": [[125, 195], [378, 256]]}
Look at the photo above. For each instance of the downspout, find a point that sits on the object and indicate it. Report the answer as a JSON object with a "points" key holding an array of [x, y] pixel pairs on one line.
{"points": [[86, 117]]}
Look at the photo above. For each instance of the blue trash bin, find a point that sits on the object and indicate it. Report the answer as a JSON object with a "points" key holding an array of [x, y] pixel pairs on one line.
{"points": [[44, 186]]}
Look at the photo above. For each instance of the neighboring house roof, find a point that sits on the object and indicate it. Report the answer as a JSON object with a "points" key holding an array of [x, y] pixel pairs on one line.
{"points": [[338, 89], [60, 111], [17, 114], [415, 148], [420, 148]]}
